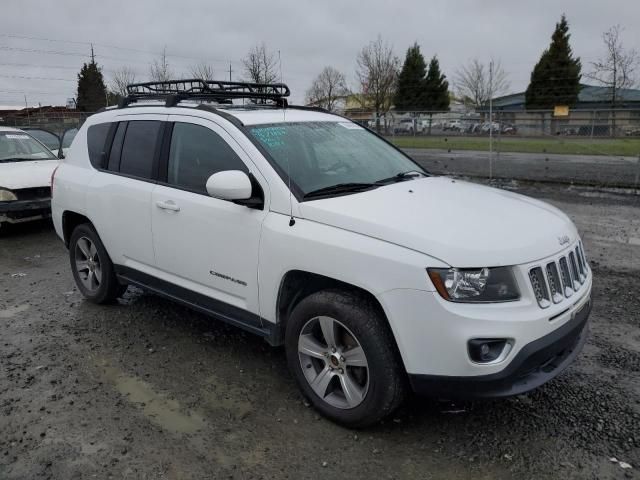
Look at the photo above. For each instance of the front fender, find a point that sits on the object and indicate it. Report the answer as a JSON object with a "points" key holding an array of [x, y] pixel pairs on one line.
{"points": [[365, 262]]}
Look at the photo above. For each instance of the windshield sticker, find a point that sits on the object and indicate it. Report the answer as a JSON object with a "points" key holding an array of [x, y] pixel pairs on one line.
{"points": [[350, 126], [270, 136], [17, 137]]}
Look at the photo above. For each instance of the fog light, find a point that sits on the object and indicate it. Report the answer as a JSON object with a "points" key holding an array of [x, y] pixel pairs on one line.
{"points": [[485, 350]]}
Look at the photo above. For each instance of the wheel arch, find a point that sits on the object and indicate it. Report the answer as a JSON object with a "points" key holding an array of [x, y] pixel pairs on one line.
{"points": [[70, 220], [299, 284]]}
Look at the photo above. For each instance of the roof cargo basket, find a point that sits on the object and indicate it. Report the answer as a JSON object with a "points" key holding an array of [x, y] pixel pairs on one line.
{"points": [[220, 91]]}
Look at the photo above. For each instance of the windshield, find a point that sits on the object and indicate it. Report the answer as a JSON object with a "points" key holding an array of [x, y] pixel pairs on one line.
{"points": [[68, 137], [16, 146], [323, 154], [49, 139]]}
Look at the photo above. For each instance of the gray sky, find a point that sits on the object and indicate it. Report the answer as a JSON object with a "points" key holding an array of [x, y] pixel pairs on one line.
{"points": [[309, 35]]}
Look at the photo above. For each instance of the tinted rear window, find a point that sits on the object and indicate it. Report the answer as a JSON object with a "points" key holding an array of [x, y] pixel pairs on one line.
{"points": [[96, 142], [138, 150]]}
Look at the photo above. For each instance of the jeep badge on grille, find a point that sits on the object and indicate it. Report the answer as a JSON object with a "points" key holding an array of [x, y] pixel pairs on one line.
{"points": [[564, 239]]}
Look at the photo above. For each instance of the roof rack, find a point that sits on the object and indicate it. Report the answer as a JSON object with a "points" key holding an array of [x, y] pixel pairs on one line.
{"points": [[173, 91]]}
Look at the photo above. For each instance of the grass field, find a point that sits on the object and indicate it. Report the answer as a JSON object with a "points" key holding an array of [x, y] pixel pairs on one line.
{"points": [[608, 146]]}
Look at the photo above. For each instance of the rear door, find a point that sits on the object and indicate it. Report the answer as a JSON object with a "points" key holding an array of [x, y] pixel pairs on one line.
{"points": [[119, 198], [204, 244]]}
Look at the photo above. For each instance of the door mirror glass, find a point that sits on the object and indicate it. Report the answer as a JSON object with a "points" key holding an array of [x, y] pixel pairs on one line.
{"points": [[229, 185]]}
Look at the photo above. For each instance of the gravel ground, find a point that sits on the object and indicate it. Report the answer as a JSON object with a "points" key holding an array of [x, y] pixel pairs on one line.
{"points": [[147, 389]]}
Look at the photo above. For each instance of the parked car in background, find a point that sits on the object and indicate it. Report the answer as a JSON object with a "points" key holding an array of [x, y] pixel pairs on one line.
{"points": [[509, 129], [54, 142], [26, 166], [407, 126], [455, 125], [490, 126]]}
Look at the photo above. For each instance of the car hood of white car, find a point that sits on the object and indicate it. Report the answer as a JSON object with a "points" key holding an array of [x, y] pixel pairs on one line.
{"points": [[460, 223], [26, 174]]}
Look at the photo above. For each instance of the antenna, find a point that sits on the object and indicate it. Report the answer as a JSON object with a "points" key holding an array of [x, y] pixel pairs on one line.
{"points": [[292, 221]]}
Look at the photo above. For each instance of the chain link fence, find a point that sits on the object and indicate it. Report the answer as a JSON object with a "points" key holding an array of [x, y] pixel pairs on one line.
{"points": [[55, 121], [596, 147], [588, 147]]}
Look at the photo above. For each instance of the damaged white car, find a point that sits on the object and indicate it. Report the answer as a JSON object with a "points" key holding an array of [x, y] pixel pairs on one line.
{"points": [[26, 166]]}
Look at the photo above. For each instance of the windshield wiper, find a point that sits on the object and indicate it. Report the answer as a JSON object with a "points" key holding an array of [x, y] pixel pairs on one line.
{"points": [[400, 177], [340, 188], [20, 159]]}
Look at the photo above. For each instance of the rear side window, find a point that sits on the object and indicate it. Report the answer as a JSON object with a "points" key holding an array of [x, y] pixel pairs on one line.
{"points": [[196, 153], [96, 142], [116, 148], [139, 147]]}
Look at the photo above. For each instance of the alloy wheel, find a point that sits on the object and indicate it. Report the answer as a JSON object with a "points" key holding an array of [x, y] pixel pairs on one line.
{"points": [[88, 264], [333, 362]]}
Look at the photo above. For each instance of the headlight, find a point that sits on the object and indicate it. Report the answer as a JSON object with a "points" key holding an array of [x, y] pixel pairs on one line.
{"points": [[475, 285], [7, 196]]}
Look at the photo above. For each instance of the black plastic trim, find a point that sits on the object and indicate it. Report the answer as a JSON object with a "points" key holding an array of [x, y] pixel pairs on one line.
{"points": [[209, 306], [25, 205], [535, 364]]}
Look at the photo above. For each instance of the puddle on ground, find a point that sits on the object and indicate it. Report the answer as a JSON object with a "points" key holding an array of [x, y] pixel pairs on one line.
{"points": [[162, 411], [12, 311]]}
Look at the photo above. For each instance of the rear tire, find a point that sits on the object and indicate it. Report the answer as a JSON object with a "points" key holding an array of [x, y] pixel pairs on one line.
{"points": [[91, 266], [344, 358]]}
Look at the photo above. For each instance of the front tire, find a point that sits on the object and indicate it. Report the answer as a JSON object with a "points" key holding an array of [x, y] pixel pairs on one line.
{"points": [[344, 359], [91, 266]]}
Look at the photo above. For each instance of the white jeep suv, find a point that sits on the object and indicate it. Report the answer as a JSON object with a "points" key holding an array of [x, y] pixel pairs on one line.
{"points": [[309, 230]]}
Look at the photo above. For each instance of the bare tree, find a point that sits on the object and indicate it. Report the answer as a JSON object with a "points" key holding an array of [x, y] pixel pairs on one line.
{"points": [[327, 88], [617, 68], [121, 78], [202, 71], [159, 71], [377, 71], [473, 84], [260, 65]]}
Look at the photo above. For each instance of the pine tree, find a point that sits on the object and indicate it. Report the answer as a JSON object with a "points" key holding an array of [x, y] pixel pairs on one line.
{"points": [[555, 80], [409, 92], [435, 96], [92, 92]]}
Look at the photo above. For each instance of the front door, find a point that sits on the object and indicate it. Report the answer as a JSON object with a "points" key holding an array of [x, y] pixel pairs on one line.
{"points": [[204, 244]]}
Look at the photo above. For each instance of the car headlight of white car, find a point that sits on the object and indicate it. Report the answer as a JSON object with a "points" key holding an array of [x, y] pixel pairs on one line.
{"points": [[7, 195], [475, 284]]}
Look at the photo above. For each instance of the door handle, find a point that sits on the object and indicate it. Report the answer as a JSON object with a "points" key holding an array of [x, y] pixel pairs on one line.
{"points": [[168, 205]]}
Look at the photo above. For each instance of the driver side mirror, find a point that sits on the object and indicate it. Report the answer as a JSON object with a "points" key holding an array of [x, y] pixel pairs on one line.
{"points": [[235, 186]]}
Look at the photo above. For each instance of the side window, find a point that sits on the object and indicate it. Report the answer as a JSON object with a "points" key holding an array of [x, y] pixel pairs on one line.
{"points": [[96, 140], [116, 147], [196, 153], [139, 147]]}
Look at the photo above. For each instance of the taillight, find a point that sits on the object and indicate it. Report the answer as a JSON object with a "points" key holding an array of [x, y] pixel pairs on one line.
{"points": [[53, 174]]}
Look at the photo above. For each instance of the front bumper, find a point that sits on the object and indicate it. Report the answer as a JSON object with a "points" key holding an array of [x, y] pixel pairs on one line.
{"points": [[25, 210], [535, 364]]}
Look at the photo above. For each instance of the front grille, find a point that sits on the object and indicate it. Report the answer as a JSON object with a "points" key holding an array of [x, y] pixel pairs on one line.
{"points": [[35, 193], [539, 287], [555, 285], [560, 278]]}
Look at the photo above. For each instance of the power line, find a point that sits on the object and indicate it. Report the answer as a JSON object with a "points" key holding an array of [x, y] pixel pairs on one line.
{"points": [[129, 49], [37, 78]]}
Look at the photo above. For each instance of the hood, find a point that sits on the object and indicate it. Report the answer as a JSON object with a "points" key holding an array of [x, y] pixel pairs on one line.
{"points": [[37, 173], [460, 223]]}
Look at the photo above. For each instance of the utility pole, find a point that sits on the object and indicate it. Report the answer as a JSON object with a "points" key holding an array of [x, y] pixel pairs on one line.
{"points": [[230, 71], [93, 57], [491, 119], [26, 106]]}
